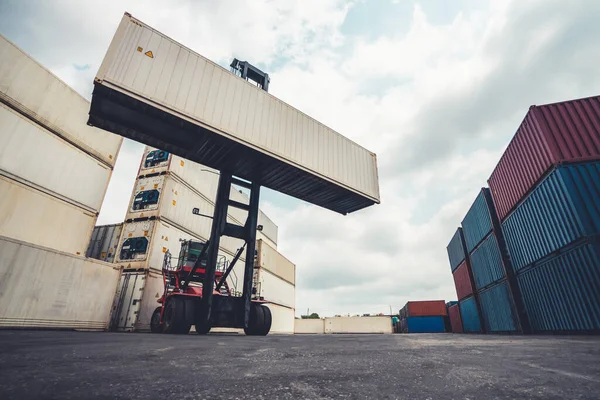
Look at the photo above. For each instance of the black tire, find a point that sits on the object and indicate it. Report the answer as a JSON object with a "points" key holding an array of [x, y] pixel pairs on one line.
{"points": [[155, 326], [202, 329], [266, 327], [174, 317], [256, 320]]}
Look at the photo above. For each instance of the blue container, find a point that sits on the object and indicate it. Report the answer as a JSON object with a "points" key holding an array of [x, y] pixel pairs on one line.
{"points": [[456, 250], [563, 294], [478, 222], [470, 315], [425, 325], [497, 309], [486, 263], [561, 210]]}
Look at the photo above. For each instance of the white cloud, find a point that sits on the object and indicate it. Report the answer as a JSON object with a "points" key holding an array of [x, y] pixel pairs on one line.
{"points": [[437, 103]]}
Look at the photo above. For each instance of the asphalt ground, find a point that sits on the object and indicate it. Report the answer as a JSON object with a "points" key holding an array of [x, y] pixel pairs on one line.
{"points": [[95, 365]]}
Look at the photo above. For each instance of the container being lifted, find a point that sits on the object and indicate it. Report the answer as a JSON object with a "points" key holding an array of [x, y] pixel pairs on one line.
{"points": [[152, 89]]}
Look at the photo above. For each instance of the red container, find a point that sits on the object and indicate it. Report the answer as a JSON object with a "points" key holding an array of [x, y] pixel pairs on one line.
{"points": [[549, 134], [462, 281], [428, 308], [455, 320]]}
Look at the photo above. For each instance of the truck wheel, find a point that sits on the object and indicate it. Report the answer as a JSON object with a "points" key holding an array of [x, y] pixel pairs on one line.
{"points": [[202, 329], [256, 320], [174, 317], [155, 326], [266, 327]]}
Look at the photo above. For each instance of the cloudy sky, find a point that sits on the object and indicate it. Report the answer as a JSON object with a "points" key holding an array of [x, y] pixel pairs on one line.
{"points": [[435, 88]]}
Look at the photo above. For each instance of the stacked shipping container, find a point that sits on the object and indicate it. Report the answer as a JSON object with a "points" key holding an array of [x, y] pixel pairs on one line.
{"points": [[423, 317], [489, 263], [54, 169], [547, 188], [534, 250], [465, 288], [54, 172]]}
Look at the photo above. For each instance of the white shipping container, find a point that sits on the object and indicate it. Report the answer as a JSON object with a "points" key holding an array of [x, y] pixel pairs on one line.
{"points": [[204, 180], [44, 288], [282, 319], [271, 260], [313, 326], [175, 203], [145, 65], [358, 325], [161, 236], [274, 289], [34, 91], [38, 218], [136, 300], [35, 156]]}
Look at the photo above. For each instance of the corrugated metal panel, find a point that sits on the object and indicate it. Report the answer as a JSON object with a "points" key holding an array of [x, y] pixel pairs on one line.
{"points": [[212, 117], [477, 224], [486, 263], [104, 243], [425, 325], [462, 281], [563, 208], [470, 315], [35, 217], [35, 156], [455, 320], [549, 134], [273, 289], [43, 288], [497, 309], [425, 308], [562, 294], [35, 92], [456, 250], [273, 261]]}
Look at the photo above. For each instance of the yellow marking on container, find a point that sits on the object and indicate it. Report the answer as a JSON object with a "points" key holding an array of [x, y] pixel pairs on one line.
{"points": [[174, 202], [142, 188], [152, 170], [140, 49], [164, 250], [166, 238], [103, 254], [149, 54], [78, 253], [110, 156], [130, 235], [181, 162], [156, 186], [145, 233]]}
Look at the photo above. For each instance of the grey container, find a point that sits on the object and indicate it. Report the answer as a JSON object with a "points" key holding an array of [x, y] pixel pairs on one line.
{"points": [[105, 240]]}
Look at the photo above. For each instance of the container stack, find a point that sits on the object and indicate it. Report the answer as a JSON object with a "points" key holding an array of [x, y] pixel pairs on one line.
{"points": [[533, 238], [468, 303], [54, 169], [423, 317], [547, 191], [54, 172], [489, 262], [159, 216]]}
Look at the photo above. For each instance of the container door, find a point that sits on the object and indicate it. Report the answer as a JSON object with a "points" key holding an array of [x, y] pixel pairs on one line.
{"points": [[128, 302]]}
